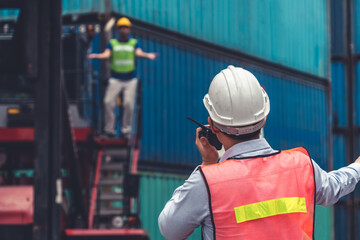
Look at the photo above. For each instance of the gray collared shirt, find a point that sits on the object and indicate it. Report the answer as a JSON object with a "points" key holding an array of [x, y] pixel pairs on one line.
{"points": [[188, 207]]}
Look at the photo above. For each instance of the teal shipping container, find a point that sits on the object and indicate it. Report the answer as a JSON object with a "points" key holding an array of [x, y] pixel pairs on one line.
{"points": [[156, 189], [290, 33]]}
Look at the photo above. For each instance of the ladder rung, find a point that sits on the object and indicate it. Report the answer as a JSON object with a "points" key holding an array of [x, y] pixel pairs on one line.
{"points": [[112, 167], [117, 153], [111, 181], [111, 196], [110, 211]]}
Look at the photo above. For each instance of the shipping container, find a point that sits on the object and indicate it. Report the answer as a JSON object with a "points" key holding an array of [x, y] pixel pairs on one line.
{"points": [[342, 224], [345, 21], [155, 190], [175, 84], [357, 93], [339, 151], [357, 25], [269, 30], [337, 21], [356, 38], [339, 103]]}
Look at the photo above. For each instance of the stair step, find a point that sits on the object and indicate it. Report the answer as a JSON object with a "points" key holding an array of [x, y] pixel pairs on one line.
{"points": [[111, 142], [112, 167], [110, 211], [111, 196], [111, 181], [116, 153]]}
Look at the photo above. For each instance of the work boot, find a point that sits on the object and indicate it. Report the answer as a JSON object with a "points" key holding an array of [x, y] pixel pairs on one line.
{"points": [[108, 135]]}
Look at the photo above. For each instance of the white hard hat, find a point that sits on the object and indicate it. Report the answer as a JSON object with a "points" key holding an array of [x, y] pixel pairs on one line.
{"points": [[236, 102]]}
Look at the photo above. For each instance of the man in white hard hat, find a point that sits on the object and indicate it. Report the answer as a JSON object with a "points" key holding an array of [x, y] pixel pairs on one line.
{"points": [[253, 191], [123, 52]]}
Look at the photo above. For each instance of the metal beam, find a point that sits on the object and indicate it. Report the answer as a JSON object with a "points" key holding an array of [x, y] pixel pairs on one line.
{"points": [[350, 137], [11, 3], [48, 125]]}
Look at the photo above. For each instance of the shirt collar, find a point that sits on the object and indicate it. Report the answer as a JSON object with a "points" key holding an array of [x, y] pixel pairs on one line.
{"points": [[249, 148]]}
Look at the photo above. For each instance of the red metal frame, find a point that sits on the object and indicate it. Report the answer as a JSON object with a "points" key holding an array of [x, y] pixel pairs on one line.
{"points": [[105, 232], [135, 161], [14, 135], [94, 189], [16, 205], [111, 142], [8, 135]]}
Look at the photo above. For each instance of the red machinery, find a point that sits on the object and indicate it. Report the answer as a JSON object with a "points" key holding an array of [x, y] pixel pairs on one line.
{"points": [[57, 181], [17, 199]]}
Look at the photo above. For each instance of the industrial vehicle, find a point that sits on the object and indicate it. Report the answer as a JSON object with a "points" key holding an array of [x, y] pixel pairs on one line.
{"points": [[59, 179]]}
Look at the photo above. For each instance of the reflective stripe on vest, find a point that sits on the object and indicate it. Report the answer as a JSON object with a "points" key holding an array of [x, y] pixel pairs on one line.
{"points": [[270, 208], [123, 55], [265, 197]]}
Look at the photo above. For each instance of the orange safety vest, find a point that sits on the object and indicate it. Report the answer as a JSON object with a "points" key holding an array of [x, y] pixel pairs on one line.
{"points": [[264, 197]]}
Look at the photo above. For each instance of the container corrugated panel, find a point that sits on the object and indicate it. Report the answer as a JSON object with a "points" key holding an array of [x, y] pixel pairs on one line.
{"points": [[357, 94], [356, 154], [175, 84], [357, 24], [339, 151], [298, 116], [339, 99], [357, 118], [83, 6], [341, 228], [337, 27], [339, 155], [323, 223], [291, 33], [156, 189]]}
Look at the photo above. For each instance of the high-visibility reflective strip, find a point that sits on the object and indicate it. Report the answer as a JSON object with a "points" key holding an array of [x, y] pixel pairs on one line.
{"points": [[270, 208], [124, 62], [124, 48]]}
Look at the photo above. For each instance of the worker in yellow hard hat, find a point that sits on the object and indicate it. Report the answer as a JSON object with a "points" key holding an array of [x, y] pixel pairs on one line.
{"points": [[123, 22], [123, 52]]}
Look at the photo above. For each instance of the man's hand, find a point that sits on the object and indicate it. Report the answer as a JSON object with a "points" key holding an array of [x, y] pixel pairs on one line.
{"points": [[207, 151], [152, 56], [104, 55], [139, 53], [92, 56], [357, 160]]}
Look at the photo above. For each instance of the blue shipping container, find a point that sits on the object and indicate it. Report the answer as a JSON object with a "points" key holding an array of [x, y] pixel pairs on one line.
{"points": [[175, 84], [339, 99], [271, 30], [357, 94], [356, 14], [338, 27]]}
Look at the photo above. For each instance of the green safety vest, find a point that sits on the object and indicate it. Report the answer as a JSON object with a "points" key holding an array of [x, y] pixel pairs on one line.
{"points": [[123, 55]]}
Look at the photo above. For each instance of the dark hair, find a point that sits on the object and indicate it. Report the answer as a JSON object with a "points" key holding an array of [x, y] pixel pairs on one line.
{"points": [[245, 137]]}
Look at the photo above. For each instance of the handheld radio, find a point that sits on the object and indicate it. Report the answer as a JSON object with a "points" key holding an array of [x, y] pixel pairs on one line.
{"points": [[207, 133]]}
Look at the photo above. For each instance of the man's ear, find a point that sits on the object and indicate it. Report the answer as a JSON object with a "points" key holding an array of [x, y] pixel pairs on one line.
{"points": [[214, 129]]}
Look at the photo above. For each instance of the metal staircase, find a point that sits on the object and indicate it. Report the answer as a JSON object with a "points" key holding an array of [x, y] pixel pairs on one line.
{"points": [[115, 188], [113, 204]]}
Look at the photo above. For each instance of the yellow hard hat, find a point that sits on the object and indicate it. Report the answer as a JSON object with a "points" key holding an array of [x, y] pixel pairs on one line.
{"points": [[123, 22]]}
